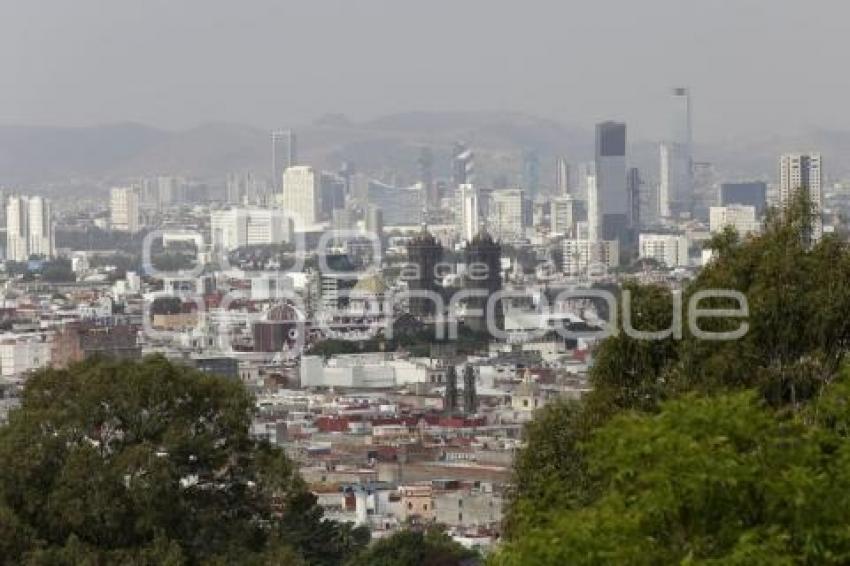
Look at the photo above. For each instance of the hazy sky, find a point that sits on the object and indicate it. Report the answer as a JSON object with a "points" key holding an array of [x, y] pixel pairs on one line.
{"points": [[754, 66]]}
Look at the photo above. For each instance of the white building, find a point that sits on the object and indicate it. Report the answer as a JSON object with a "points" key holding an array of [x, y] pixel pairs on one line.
{"points": [[740, 217], [470, 211], [562, 214], [21, 353], [124, 209], [237, 227], [507, 214], [798, 170], [588, 257], [301, 193], [29, 228], [593, 214], [670, 250]]}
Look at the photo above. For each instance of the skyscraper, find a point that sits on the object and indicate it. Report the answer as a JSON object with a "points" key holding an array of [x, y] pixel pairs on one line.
{"points": [[430, 192], [592, 208], [531, 173], [470, 211], [301, 194], [29, 228], [284, 155], [463, 165], [611, 179], [803, 171], [562, 177], [124, 209], [634, 183], [508, 214], [676, 188]]}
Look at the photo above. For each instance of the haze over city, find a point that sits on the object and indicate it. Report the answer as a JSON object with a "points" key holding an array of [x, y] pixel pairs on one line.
{"points": [[756, 67], [435, 283]]}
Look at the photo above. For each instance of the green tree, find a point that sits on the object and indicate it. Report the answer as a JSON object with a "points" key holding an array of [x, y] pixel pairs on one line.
{"points": [[150, 463], [707, 480], [415, 548]]}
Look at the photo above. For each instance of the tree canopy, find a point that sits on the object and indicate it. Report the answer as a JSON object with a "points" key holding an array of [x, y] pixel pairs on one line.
{"points": [[152, 463], [693, 450]]}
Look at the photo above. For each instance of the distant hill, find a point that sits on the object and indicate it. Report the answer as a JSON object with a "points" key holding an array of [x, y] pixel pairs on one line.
{"points": [[386, 147]]}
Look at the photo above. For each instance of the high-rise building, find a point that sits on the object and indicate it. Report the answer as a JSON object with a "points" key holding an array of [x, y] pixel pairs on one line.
{"points": [[236, 227], [301, 192], [670, 250], [704, 183], [562, 215], [803, 171], [562, 177], [463, 165], [583, 257], [470, 211], [332, 194], [753, 193], [531, 173], [611, 180], [29, 228], [742, 218], [633, 185], [676, 188], [508, 214], [124, 209], [375, 220], [430, 191], [593, 214], [284, 155]]}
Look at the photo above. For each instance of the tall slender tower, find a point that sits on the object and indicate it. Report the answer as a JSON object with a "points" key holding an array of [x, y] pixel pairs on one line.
{"points": [[562, 177], [430, 192], [284, 155], [676, 154], [803, 171], [611, 179]]}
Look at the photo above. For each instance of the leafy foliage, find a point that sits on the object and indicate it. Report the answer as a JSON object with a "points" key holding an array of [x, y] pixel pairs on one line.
{"points": [[151, 463], [695, 450], [414, 548]]}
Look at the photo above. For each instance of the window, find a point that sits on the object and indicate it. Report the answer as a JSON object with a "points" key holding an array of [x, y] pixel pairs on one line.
{"points": [[409, 506]]}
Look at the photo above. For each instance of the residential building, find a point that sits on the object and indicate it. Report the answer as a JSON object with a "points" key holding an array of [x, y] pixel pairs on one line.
{"points": [[670, 250], [124, 209]]}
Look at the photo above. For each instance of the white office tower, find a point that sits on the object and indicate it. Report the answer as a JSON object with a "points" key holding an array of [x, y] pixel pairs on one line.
{"points": [[562, 215], [742, 218], [562, 177], [593, 216], [470, 211], [29, 228], [41, 242], [612, 196], [670, 250], [301, 194], [124, 209], [237, 227], [676, 161], [507, 218], [586, 257], [798, 170]]}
